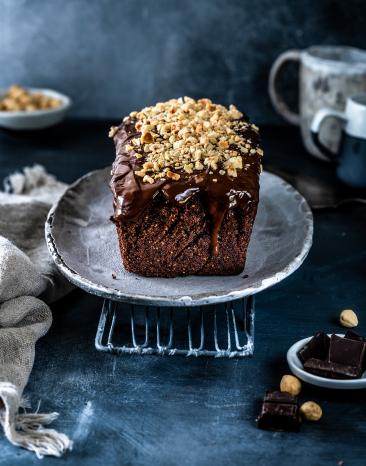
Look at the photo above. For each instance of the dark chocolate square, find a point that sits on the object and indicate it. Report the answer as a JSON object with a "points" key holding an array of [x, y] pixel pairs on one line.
{"points": [[332, 370], [351, 335], [346, 351], [280, 412], [317, 347]]}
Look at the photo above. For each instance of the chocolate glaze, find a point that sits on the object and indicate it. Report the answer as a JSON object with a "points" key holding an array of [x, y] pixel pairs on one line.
{"points": [[132, 196]]}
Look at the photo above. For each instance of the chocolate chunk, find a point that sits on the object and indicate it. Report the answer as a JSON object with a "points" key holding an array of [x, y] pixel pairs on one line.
{"points": [[355, 336], [346, 351], [280, 412], [317, 347], [332, 370]]}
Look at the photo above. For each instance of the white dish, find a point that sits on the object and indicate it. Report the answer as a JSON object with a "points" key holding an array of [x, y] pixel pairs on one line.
{"points": [[83, 243], [38, 119], [298, 369]]}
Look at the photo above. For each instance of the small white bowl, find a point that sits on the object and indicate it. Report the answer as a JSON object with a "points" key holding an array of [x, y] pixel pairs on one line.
{"points": [[297, 369], [36, 119]]}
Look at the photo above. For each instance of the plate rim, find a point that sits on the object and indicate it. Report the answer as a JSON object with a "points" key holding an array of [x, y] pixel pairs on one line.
{"points": [[176, 301], [296, 368]]}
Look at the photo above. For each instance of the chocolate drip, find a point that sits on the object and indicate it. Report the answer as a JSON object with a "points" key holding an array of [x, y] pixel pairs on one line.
{"points": [[132, 196]]}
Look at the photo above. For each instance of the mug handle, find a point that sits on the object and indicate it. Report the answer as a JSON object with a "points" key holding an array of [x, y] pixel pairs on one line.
{"points": [[315, 127], [277, 101]]}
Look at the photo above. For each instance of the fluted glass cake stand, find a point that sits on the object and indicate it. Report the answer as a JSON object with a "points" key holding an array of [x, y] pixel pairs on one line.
{"points": [[192, 316], [223, 330]]}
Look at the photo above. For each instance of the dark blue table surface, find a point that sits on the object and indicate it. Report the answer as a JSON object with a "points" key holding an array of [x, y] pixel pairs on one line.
{"points": [[147, 410]]}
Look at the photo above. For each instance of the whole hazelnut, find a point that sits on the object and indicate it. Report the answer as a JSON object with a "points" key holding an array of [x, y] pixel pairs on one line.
{"points": [[311, 411], [290, 384], [348, 318]]}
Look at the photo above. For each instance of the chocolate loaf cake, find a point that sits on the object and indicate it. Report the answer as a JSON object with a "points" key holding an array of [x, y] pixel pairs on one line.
{"points": [[185, 185]]}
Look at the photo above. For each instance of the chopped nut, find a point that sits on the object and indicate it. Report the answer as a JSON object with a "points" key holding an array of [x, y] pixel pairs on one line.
{"points": [[311, 411], [290, 384], [234, 112], [148, 166], [223, 145], [188, 168], [30, 108], [112, 131], [232, 164], [172, 175], [148, 179], [348, 318], [141, 173], [147, 138]]}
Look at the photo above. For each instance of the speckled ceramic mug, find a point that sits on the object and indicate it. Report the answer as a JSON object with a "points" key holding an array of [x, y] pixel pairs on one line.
{"points": [[328, 75]]}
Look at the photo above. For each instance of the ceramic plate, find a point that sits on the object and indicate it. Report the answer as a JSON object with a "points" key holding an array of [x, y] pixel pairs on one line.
{"points": [[83, 244], [298, 369]]}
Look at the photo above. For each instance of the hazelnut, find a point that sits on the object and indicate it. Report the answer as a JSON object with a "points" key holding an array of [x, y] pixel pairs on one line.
{"points": [[348, 318], [311, 411], [223, 145], [16, 98], [290, 384], [147, 138], [148, 166], [141, 173], [148, 179], [113, 130], [172, 175]]}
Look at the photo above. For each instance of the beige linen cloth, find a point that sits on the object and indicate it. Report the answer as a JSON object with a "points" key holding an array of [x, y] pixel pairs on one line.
{"points": [[28, 280]]}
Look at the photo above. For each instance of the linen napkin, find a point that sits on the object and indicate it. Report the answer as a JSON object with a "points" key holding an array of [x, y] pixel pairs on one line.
{"points": [[28, 280]]}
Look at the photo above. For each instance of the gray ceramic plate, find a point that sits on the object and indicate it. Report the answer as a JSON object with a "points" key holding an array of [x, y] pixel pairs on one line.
{"points": [[83, 244]]}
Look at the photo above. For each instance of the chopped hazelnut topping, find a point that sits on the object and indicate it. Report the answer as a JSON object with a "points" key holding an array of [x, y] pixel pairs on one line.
{"points": [[187, 135], [224, 144], [147, 138], [112, 131], [148, 179], [172, 175]]}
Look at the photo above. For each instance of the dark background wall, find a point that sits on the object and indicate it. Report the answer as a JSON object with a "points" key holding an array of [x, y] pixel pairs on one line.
{"points": [[112, 56]]}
